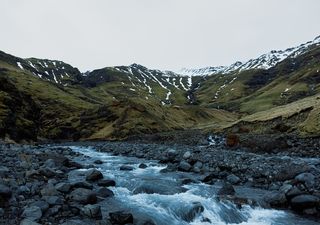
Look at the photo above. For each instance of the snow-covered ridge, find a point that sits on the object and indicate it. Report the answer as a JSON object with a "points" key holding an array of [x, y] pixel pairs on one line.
{"points": [[265, 61]]}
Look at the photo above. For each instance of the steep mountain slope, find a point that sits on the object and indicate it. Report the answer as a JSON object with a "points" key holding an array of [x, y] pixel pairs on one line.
{"points": [[34, 107], [51, 99]]}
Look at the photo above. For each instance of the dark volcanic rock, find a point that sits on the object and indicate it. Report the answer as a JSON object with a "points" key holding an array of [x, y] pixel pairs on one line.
{"points": [[92, 211], [184, 166], [104, 192], [126, 167], [5, 191], [302, 202], [94, 175], [226, 189], [107, 183], [120, 218], [84, 196]]}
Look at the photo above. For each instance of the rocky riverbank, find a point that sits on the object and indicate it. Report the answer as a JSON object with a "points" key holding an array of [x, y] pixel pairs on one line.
{"points": [[292, 176], [35, 187]]}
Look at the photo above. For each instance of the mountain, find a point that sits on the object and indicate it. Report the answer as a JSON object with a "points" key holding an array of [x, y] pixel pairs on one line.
{"points": [[50, 99], [264, 61]]}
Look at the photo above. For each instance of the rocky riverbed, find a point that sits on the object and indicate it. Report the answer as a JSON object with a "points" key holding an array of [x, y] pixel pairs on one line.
{"points": [[49, 184]]}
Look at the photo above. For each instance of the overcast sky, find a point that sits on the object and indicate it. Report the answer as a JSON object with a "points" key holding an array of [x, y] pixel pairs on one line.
{"points": [[161, 34]]}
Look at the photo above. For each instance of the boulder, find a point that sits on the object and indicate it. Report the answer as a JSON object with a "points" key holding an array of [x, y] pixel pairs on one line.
{"points": [[190, 214], [126, 167], [84, 196], [120, 218], [94, 175], [98, 161], [63, 187], [81, 184], [306, 178], [32, 213], [107, 183], [171, 155], [226, 189], [104, 192], [301, 202], [184, 166], [276, 199], [233, 179], [92, 211], [143, 166]]}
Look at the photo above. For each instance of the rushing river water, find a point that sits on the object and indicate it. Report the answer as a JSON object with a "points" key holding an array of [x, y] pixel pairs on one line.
{"points": [[170, 206]]}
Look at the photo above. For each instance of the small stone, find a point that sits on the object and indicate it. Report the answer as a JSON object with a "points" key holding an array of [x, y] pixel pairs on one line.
{"points": [[43, 205], [53, 200], [187, 155]]}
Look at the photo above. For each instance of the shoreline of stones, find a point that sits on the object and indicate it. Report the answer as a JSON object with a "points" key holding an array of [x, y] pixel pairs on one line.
{"points": [[293, 183], [35, 189]]}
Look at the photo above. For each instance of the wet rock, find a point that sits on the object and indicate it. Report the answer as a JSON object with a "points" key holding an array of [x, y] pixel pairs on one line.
{"points": [[171, 154], [226, 189], [98, 161], [32, 213], [233, 179], [106, 183], [193, 212], [276, 199], [293, 192], [104, 193], [158, 188], [92, 211], [84, 196], [301, 202], [5, 191], [143, 166], [120, 218], [126, 167], [76, 222], [94, 175], [307, 178], [209, 178], [63, 187], [184, 166]]}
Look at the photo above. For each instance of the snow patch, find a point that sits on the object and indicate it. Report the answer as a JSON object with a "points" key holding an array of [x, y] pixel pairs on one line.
{"points": [[20, 66]]}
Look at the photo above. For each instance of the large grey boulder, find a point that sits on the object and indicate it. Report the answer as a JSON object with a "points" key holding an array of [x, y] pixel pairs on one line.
{"points": [[94, 175], [302, 202], [92, 211]]}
